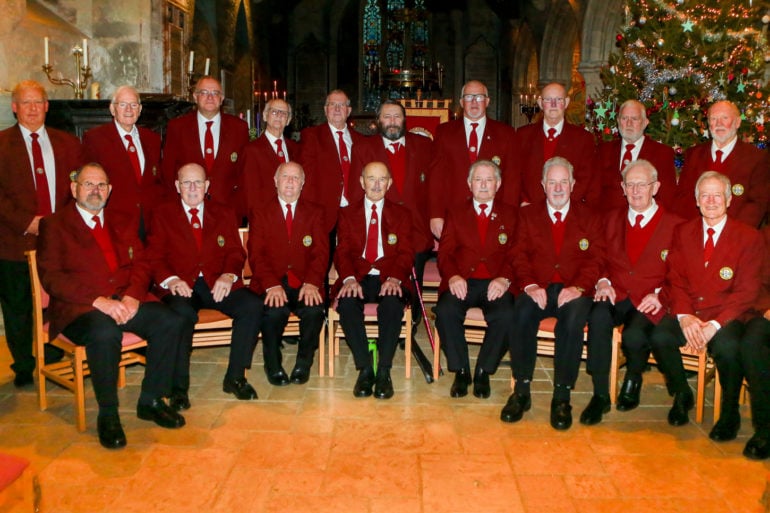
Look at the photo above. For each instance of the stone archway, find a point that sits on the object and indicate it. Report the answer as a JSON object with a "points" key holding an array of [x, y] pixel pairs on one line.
{"points": [[601, 23], [559, 40]]}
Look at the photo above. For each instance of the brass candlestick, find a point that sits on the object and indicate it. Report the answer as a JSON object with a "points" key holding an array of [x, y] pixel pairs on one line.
{"points": [[78, 85]]}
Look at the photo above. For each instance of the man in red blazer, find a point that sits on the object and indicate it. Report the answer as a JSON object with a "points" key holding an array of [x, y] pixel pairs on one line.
{"points": [[131, 157], [92, 266], [29, 190], [713, 280], [327, 151], [557, 260], [210, 138], [613, 156], [288, 251], [373, 259], [538, 142], [408, 157], [262, 156], [474, 260], [638, 239], [458, 144], [197, 259], [747, 167]]}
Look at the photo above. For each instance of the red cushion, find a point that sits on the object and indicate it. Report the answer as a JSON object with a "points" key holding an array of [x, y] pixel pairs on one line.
{"points": [[11, 467]]}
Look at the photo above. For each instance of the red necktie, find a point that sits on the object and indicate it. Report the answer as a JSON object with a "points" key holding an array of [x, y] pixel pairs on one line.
{"points": [[372, 237], [557, 232], [473, 144], [197, 227], [344, 162], [105, 244], [627, 157], [638, 224], [549, 148], [41, 180], [708, 250], [208, 145], [397, 161], [718, 162], [279, 150], [482, 220], [133, 156], [294, 282]]}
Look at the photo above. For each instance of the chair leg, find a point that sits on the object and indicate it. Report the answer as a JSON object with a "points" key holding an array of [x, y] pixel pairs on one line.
{"points": [[408, 342], [436, 353], [80, 396], [614, 365], [717, 396], [700, 396], [322, 351]]}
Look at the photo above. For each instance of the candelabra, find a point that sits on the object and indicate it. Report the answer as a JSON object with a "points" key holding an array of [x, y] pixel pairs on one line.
{"points": [[81, 66], [528, 104]]}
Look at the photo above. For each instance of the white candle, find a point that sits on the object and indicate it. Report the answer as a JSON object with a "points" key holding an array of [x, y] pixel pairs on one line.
{"points": [[45, 43], [190, 62], [206, 68], [248, 118], [85, 53]]}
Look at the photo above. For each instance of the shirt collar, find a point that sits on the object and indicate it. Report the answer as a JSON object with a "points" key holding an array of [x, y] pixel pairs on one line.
{"points": [[559, 127], [564, 211], [648, 214]]}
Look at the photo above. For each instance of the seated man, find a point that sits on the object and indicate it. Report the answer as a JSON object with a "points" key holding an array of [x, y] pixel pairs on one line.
{"points": [[373, 259], [92, 266], [638, 239], [712, 280], [474, 260], [557, 260], [288, 252], [197, 258]]}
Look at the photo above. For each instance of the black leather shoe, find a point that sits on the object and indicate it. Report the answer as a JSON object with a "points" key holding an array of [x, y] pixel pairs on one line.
{"points": [[300, 375], [514, 409], [460, 384], [160, 413], [52, 354], [278, 378], [597, 406], [383, 385], [111, 434], [628, 398], [292, 341], [364, 383], [179, 401], [726, 428], [758, 447], [683, 402], [240, 388], [23, 379], [561, 415], [481, 384]]}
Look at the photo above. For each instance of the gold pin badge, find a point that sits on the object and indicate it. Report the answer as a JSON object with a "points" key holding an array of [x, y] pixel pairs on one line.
{"points": [[131, 252], [738, 189], [664, 254], [392, 239], [221, 241], [583, 244], [307, 240], [502, 238], [726, 273], [234, 156], [422, 177], [496, 160]]}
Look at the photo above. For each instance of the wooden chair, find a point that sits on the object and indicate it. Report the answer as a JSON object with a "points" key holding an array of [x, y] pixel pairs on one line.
{"points": [[71, 371], [431, 279]]}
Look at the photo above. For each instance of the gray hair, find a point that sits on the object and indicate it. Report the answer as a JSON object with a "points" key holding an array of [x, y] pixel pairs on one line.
{"points": [[558, 161], [646, 164]]}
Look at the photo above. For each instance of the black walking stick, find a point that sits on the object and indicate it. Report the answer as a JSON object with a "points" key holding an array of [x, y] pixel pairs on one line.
{"points": [[428, 329]]}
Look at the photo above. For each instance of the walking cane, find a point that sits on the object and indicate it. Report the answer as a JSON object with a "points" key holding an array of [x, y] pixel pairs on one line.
{"points": [[425, 319]]}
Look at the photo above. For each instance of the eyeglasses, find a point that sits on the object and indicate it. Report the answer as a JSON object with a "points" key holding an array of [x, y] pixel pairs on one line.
{"points": [[279, 113], [125, 105], [36, 103], [187, 184], [474, 97], [206, 92], [637, 185], [91, 186], [336, 105], [553, 101]]}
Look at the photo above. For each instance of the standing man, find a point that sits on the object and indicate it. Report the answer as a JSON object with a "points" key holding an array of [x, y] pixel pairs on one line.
{"points": [[638, 240], [474, 260], [288, 252], [458, 144], [747, 167], [614, 156], [538, 142], [197, 259], [373, 259], [713, 280], [211, 139], [262, 156], [557, 260], [131, 157], [91, 264], [35, 164]]}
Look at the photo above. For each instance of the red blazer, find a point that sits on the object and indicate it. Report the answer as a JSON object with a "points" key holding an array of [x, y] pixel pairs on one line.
{"points": [[608, 164], [582, 252], [461, 251], [574, 144], [258, 172], [104, 145], [763, 301], [183, 146], [449, 168], [419, 151], [637, 280], [172, 250], [323, 173], [728, 287], [748, 168], [396, 226], [18, 200], [272, 253], [73, 270]]}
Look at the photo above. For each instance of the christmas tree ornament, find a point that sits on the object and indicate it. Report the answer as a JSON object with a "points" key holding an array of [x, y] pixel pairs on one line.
{"points": [[672, 90], [642, 20], [675, 119]]}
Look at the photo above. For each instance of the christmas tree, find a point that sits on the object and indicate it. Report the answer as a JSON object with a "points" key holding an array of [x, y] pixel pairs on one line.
{"points": [[679, 56]]}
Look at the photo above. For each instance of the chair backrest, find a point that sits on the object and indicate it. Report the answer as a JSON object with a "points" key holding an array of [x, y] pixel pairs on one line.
{"points": [[40, 299], [247, 273]]}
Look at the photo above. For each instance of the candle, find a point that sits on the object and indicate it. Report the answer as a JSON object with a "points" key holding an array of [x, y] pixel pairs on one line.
{"points": [[275, 85], [206, 67], [191, 60], [284, 96], [248, 117], [265, 97], [45, 43], [85, 53]]}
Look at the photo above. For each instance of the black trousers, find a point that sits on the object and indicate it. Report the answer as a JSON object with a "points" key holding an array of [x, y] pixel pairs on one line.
{"points": [[667, 338], [102, 336], [637, 329], [571, 319], [245, 308], [755, 356], [16, 302], [450, 316], [390, 312], [311, 320]]}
